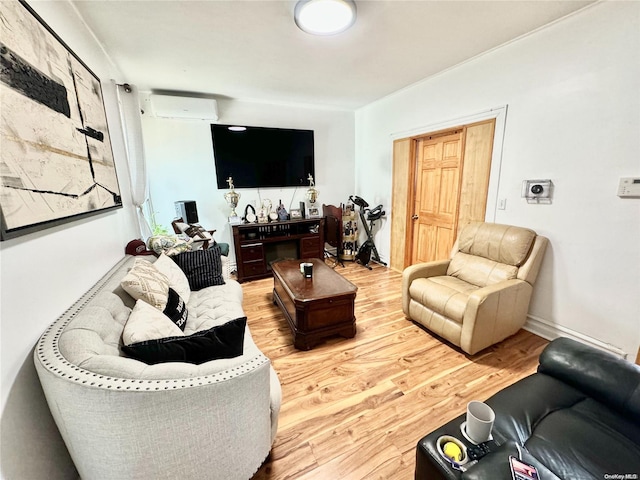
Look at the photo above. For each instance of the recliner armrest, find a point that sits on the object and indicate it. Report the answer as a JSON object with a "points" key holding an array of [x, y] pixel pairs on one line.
{"points": [[603, 376], [420, 270], [494, 312], [424, 270]]}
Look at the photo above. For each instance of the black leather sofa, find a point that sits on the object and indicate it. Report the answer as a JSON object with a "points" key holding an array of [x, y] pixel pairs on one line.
{"points": [[577, 418]]}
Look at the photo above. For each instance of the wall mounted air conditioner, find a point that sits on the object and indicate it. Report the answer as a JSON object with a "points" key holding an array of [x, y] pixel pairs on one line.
{"points": [[171, 106]]}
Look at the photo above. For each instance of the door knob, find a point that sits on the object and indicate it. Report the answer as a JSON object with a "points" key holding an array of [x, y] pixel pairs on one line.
{"points": [[414, 217]]}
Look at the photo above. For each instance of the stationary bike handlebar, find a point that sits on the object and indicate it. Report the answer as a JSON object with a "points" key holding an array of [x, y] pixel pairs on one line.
{"points": [[375, 213], [358, 201]]}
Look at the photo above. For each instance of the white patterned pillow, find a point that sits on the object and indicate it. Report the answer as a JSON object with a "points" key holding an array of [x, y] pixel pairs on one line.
{"points": [[148, 323], [169, 244], [177, 279], [145, 282]]}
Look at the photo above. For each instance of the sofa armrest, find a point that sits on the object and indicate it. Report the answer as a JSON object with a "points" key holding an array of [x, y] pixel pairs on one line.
{"points": [[216, 426], [276, 401], [420, 270], [494, 312], [603, 376]]}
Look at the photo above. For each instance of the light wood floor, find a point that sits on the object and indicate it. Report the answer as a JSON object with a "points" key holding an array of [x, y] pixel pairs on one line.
{"points": [[355, 408]]}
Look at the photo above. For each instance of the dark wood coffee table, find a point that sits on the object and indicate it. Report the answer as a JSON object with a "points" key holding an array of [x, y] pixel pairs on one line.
{"points": [[317, 307]]}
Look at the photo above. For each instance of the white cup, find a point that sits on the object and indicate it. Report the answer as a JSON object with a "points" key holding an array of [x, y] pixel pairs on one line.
{"points": [[480, 418]]}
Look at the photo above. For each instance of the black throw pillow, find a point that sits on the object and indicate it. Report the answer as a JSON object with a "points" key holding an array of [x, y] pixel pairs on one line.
{"points": [[176, 309], [224, 341], [203, 268]]}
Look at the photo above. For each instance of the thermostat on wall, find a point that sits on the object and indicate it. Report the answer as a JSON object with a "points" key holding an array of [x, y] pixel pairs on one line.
{"points": [[629, 187], [537, 191]]}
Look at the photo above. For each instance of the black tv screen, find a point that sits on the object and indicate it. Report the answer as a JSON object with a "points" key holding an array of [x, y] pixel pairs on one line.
{"points": [[262, 157]]}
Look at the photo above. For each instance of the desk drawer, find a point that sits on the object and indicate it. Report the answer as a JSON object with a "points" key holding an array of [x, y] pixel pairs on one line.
{"points": [[250, 269], [253, 252], [310, 247]]}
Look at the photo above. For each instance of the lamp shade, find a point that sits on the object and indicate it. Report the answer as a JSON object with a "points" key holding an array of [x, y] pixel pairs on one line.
{"points": [[325, 17]]}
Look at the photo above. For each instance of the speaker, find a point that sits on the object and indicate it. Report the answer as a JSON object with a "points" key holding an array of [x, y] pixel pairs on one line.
{"points": [[187, 210]]}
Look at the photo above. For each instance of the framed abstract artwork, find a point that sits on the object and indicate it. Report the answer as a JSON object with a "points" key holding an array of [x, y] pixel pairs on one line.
{"points": [[56, 162]]}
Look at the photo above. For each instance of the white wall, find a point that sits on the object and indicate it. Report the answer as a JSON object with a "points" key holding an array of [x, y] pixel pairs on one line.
{"points": [[42, 274], [181, 164], [574, 117]]}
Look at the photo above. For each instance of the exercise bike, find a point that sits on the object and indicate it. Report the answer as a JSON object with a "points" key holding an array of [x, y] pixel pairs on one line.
{"points": [[368, 248]]}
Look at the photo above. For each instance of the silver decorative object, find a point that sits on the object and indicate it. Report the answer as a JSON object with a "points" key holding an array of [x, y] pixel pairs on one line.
{"points": [[232, 197]]}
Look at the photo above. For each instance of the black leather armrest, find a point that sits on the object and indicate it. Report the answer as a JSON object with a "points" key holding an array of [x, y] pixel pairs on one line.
{"points": [[601, 375], [495, 466]]}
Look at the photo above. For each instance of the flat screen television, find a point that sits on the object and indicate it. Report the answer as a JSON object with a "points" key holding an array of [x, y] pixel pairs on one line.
{"points": [[262, 157]]}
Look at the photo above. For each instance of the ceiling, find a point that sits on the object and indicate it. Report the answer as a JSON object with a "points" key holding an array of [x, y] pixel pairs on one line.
{"points": [[252, 50]]}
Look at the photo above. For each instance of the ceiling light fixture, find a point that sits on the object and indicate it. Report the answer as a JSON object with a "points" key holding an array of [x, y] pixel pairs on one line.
{"points": [[325, 17]]}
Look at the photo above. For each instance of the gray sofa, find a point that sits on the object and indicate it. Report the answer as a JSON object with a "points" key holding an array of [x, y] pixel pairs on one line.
{"points": [[123, 419]]}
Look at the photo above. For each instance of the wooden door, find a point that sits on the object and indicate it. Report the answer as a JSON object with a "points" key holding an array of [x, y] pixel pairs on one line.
{"points": [[402, 206], [438, 174], [408, 237], [474, 187]]}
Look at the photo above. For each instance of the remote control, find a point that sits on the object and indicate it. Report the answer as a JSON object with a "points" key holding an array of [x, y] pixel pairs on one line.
{"points": [[476, 452]]}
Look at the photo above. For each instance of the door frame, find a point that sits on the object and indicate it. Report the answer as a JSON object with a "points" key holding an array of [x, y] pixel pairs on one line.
{"points": [[403, 167]]}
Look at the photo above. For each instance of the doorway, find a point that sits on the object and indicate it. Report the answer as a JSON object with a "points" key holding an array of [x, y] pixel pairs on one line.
{"points": [[440, 183]]}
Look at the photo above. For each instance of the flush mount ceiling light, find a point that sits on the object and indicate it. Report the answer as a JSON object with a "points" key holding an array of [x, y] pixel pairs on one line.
{"points": [[325, 17]]}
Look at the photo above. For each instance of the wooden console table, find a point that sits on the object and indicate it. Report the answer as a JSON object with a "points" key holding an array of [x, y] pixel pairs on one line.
{"points": [[257, 245]]}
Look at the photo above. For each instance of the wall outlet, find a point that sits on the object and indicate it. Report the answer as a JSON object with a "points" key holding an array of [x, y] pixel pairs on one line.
{"points": [[502, 204]]}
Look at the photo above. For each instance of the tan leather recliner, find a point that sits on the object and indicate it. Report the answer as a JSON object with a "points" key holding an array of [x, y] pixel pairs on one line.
{"points": [[481, 295]]}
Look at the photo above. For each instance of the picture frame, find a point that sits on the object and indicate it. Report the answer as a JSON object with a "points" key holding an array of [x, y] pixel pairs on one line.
{"points": [[313, 212], [295, 213], [57, 161]]}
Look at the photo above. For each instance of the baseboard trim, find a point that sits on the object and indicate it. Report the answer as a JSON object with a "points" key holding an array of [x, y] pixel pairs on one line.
{"points": [[550, 331]]}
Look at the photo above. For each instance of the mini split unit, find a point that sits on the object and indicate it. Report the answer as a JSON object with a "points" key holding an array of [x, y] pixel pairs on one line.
{"points": [[172, 106]]}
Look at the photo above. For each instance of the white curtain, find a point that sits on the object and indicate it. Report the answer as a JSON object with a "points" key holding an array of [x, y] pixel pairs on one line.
{"points": [[132, 125]]}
